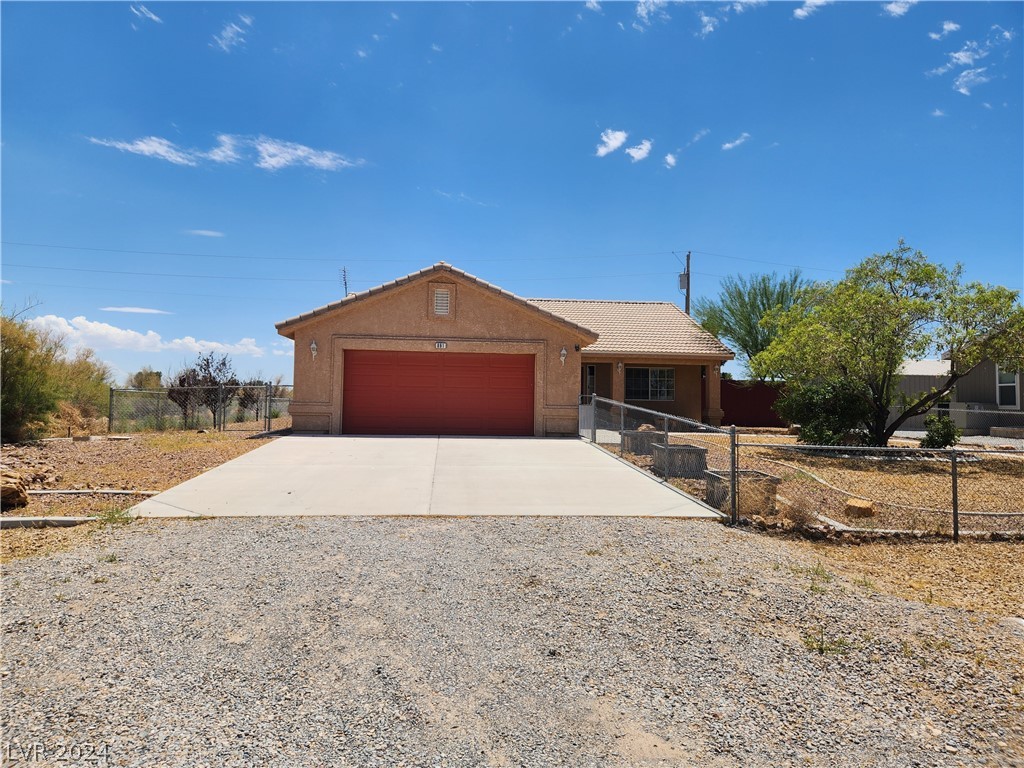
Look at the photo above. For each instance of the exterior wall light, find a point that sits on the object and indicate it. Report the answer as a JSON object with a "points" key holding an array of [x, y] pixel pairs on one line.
{"points": [[312, 348], [618, 367], [562, 355]]}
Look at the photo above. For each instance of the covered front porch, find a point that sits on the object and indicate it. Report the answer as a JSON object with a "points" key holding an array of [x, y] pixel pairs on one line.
{"points": [[688, 387]]}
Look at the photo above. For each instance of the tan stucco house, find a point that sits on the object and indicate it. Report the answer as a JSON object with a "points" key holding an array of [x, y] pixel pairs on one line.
{"points": [[443, 352]]}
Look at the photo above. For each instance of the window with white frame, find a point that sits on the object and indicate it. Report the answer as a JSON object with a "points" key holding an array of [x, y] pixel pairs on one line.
{"points": [[650, 383], [1007, 389]]}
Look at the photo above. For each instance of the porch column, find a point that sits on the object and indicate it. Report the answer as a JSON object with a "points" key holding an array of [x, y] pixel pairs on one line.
{"points": [[619, 381], [713, 412]]}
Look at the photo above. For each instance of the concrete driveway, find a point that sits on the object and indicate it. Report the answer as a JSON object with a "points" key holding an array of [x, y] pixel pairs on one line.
{"points": [[300, 475]]}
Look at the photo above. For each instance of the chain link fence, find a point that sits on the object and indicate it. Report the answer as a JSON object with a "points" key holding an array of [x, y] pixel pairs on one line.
{"points": [[936, 492], [247, 407]]}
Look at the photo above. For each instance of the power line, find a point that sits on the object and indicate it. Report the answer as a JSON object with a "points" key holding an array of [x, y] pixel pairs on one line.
{"points": [[769, 263], [167, 274]]}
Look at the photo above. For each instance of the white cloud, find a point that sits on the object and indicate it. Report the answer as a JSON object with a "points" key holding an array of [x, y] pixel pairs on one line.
{"points": [[809, 7], [436, 48], [362, 54], [232, 34], [136, 310], [275, 154], [898, 7], [11, 282], [610, 141], [151, 146], [80, 332], [947, 28], [648, 11], [226, 150], [670, 160], [699, 135], [640, 151], [741, 5], [284, 352], [593, 5], [938, 113], [970, 78], [265, 152], [204, 232], [708, 24], [741, 139], [144, 13], [394, 16]]}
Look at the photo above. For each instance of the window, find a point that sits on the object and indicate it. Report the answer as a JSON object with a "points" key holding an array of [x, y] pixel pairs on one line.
{"points": [[650, 383], [1007, 390], [442, 301]]}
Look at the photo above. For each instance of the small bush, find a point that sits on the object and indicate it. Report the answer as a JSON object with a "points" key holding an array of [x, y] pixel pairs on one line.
{"points": [[828, 412], [940, 432]]}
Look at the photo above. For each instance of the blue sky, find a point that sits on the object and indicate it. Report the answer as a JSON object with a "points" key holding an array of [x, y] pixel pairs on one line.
{"points": [[177, 177]]}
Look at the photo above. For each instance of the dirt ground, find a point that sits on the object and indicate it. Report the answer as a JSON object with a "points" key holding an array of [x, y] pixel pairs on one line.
{"points": [[148, 462], [981, 576]]}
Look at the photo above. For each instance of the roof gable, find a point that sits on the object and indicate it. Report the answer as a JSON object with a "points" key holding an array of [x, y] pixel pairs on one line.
{"points": [[440, 269]]}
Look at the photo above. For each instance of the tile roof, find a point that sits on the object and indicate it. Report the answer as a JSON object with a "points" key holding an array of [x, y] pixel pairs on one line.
{"points": [[638, 327]]}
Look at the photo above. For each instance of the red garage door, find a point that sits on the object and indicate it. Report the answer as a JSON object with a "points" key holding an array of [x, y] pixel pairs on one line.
{"points": [[437, 393]]}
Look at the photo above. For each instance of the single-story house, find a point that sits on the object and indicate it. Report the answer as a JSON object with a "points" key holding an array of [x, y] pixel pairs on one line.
{"points": [[440, 351]]}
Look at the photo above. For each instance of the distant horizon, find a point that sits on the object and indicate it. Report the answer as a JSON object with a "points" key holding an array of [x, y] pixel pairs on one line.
{"points": [[178, 177]]}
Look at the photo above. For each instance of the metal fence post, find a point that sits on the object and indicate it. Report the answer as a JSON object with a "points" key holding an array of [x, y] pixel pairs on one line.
{"points": [[110, 413], [266, 406], [622, 428], [218, 421], [593, 419], [733, 477], [956, 502]]}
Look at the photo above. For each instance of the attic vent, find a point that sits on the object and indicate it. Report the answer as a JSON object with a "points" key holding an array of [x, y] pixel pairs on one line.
{"points": [[442, 301]]}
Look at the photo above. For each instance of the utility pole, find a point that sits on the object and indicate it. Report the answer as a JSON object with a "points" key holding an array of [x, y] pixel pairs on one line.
{"points": [[344, 280], [684, 282]]}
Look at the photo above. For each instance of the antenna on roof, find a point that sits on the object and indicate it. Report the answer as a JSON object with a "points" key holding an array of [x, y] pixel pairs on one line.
{"points": [[684, 282], [343, 277]]}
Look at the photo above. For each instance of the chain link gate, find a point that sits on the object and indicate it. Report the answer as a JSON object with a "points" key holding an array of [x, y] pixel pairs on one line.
{"points": [[259, 407]]}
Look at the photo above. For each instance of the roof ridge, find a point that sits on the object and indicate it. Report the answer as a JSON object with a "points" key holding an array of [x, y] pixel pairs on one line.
{"points": [[605, 301]]}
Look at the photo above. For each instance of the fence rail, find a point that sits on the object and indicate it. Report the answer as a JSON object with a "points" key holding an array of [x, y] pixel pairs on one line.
{"points": [[249, 407], [942, 492]]}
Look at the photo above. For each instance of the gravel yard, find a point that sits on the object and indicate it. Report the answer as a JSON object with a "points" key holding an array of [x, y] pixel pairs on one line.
{"points": [[516, 641]]}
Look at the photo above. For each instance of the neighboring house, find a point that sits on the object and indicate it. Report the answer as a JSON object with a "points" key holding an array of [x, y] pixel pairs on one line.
{"points": [[442, 352]]}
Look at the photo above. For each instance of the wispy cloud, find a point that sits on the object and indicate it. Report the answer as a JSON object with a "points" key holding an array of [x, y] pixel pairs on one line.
{"points": [[263, 151], [136, 310], [81, 332], [938, 113], [698, 136], [741, 139], [593, 5], [670, 160], [708, 24], [143, 13], [461, 197], [233, 33], [649, 11], [809, 7], [970, 78], [436, 48], [610, 141], [362, 53], [204, 232], [898, 7], [965, 57], [151, 146], [394, 16], [640, 151], [275, 154], [948, 27], [741, 5]]}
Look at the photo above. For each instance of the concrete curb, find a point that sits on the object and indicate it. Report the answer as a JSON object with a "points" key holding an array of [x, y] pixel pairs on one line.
{"points": [[44, 522]]}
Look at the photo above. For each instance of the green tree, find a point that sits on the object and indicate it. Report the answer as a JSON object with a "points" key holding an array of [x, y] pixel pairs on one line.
{"points": [[28, 390], [742, 303], [144, 378], [84, 381], [893, 307], [210, 381]]}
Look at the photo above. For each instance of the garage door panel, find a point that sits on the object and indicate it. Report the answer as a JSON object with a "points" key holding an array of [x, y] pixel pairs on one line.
{"points": [[437, 393]]}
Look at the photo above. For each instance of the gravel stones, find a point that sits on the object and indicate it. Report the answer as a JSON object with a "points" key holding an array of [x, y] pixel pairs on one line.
{"points": [[492, 641]]}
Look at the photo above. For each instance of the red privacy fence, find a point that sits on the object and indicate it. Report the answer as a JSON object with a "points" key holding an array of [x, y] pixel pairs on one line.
{"points": [[749, 404]]}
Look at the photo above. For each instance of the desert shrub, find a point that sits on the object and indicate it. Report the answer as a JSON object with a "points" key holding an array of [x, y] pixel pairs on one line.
{"points": [[940, 432], [830, 412], [84, 382], [28, 390]]}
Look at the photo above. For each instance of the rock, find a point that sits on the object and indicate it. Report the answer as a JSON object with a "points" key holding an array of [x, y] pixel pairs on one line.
{"points": [[859, 508], [13, 492], [646, 428], [794, 430]]}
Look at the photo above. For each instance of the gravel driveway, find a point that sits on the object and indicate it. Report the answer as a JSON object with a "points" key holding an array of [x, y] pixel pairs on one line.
{"points": [[490, 641]]}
